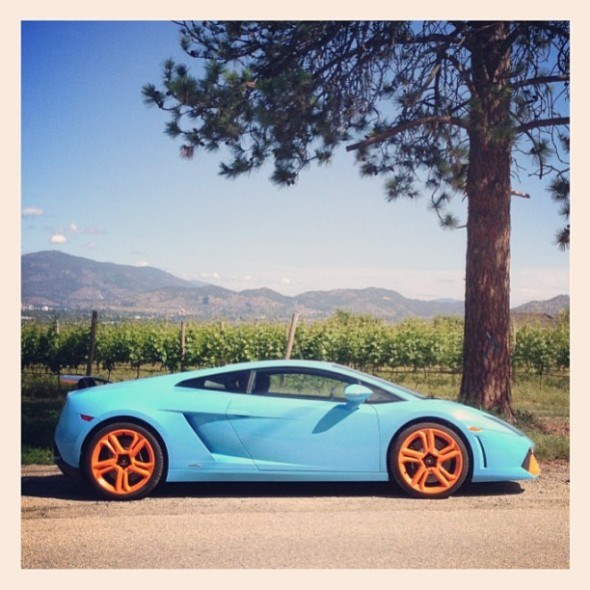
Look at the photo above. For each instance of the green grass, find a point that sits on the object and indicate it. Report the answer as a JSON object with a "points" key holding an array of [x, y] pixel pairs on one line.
{"points": [[551, 446], [541, 407], [36, 456], [42, 386]]}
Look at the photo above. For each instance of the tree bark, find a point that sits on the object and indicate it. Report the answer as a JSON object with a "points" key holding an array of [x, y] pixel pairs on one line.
{"points": [[486, 379]]}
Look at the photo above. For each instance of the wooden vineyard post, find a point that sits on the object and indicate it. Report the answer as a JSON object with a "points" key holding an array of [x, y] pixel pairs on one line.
{"points": [[92, 343], [182, 344], [291, 335]]}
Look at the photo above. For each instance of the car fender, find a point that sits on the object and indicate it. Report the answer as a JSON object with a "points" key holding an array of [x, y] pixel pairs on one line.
{"points": [[390, 430]]}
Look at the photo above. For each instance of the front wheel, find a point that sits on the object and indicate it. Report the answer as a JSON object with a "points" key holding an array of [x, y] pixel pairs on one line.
{"points": [[123, 461], [429, 460]]}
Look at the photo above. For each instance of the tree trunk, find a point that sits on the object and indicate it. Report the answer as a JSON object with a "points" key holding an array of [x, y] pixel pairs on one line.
{"points": [[486, 380]]}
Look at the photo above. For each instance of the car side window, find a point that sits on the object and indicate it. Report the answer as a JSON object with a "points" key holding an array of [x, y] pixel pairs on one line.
{"points": [[233, 382], [284, 382], [381, 396], [301, 384]]}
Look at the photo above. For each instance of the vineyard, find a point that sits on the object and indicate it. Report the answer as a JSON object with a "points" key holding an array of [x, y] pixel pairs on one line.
{"points": [[360, 341], [425, 355]]}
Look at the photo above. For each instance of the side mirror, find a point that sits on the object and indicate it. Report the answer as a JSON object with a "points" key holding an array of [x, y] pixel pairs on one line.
{"points": [[357, 394]]}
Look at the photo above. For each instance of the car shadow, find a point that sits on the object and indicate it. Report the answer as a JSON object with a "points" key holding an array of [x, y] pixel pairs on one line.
{"points": [[64, 488], [315, 489], [58, 486]]}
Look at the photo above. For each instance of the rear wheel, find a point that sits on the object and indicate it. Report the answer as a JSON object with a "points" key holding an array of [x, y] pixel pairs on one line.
{"points": [[124, 461], [429, 460]]}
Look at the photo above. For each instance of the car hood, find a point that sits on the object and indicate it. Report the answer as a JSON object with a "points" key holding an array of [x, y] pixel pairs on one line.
{"points": [[473, 418]]}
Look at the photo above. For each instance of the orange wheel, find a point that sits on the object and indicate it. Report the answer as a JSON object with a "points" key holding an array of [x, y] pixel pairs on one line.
{"points": [[429, 461], [124, 461]]}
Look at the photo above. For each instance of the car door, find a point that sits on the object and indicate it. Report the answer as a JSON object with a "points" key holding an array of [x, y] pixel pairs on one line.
{"points": [[203, 401], [303, 423]]}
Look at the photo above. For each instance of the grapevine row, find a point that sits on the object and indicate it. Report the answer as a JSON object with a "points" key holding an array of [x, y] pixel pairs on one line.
{"points": [[359, 341]]}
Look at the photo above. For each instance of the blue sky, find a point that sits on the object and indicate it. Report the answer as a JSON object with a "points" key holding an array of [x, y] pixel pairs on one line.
{"points": [[100, 179]]}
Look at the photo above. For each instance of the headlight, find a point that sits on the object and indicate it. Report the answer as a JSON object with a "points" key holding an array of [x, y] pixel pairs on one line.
{"points": [[530, 464]]}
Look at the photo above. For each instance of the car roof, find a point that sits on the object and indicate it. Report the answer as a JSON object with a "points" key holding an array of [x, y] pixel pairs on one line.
{"points": [[269, 364]]}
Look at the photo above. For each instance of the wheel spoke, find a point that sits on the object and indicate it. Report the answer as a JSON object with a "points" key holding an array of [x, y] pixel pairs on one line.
{"points": [[102, 467], [447, 475], [121, 484], [143, 469], [430, 441], [105, 443], [137, 445], [419, 479], [408, 455], [421, 435], [441, 475], [114, 443], [447, 455]]}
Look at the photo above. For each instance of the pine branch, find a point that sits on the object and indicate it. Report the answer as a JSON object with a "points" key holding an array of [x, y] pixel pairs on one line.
{"points": [[392, 132], [542, 123], [539, 80]]}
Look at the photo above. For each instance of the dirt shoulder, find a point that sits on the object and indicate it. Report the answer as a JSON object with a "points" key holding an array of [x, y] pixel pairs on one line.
{"points": [[286, 526]]}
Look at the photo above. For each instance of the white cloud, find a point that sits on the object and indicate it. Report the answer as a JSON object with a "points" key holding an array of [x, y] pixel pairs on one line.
{"points": [[142, 263], [69, 234], [32, 212], [74, 229], [210, 275]]}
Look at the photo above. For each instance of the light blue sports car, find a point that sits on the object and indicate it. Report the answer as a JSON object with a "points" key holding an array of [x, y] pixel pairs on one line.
{"points": [[281, 421]]}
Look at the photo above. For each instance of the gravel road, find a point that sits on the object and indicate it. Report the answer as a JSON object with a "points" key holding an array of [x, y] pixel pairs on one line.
{"points": [[293, 526]]}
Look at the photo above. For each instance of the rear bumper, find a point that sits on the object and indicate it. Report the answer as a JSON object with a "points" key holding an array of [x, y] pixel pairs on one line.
{"points": [[64, 467]]}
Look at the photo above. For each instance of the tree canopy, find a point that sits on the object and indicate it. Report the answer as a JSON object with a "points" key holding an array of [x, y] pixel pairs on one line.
{"points": [[292, 92], [443, 108]]}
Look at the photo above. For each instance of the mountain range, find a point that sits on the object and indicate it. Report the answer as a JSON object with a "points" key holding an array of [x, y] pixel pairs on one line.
{"points": [[57, 281]]}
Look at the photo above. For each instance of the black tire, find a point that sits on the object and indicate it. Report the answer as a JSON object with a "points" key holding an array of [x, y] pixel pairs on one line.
{"points": [[123, 461], [429, 460]]}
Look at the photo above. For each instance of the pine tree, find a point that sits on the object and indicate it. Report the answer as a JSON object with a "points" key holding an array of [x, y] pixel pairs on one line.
{"points": [[450, 109]]}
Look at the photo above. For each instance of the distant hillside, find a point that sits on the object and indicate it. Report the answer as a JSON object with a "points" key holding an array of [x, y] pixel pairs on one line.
{"points": [[59, 281], [377, 302], [56, 279], [551, 307]]}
